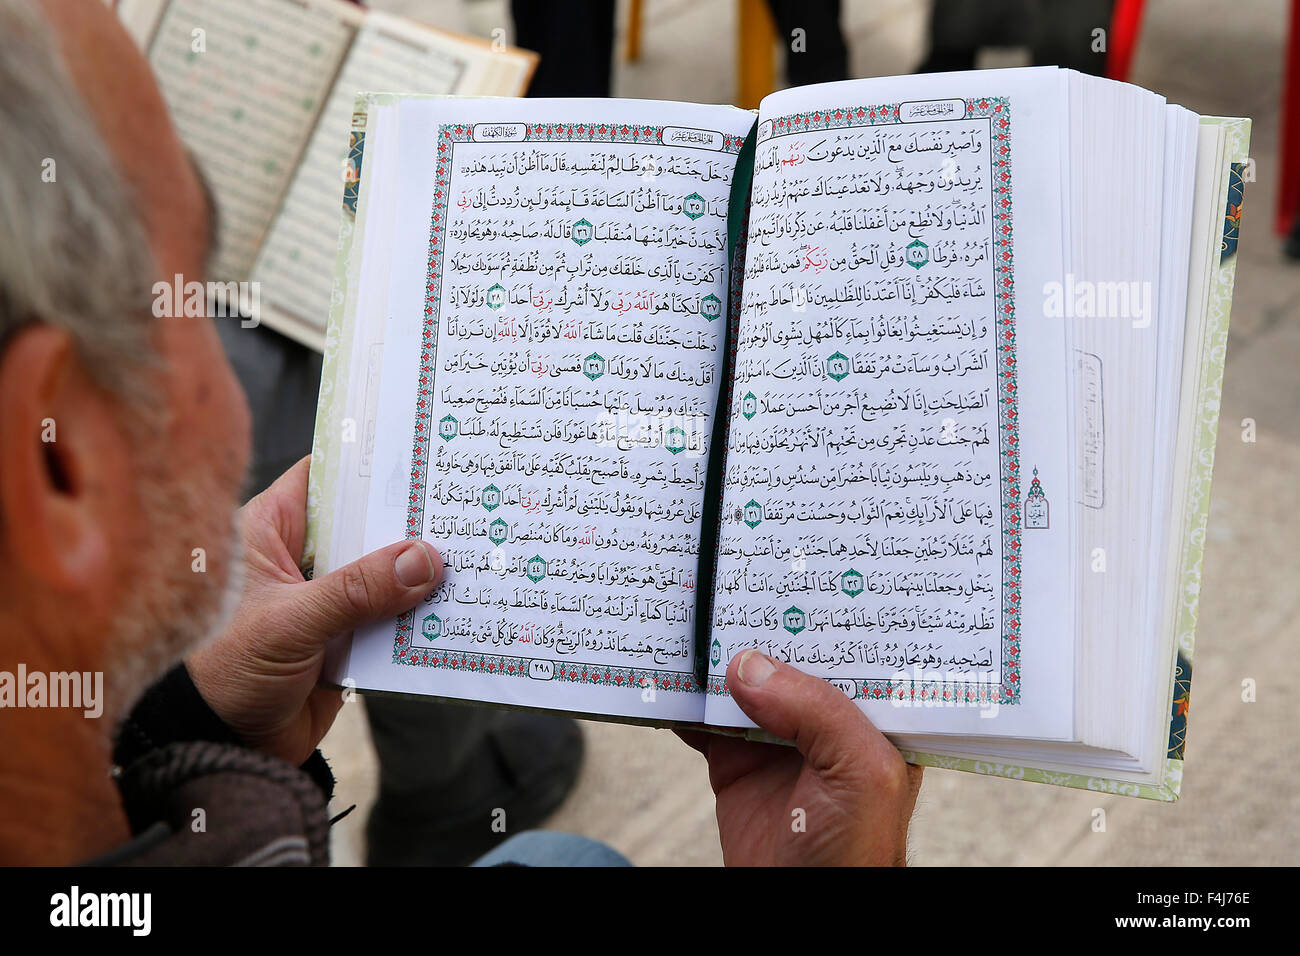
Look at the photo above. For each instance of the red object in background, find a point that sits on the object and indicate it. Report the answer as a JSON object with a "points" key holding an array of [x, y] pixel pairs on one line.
{"points": [[1288, 184], [1125, 23]]}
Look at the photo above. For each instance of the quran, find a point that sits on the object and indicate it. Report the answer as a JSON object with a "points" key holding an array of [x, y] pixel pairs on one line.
{"points": [[261, 92], [910, 382]]}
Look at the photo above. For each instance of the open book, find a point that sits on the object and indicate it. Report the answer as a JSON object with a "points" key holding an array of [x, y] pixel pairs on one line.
{"points": [[262, 91], [909, 382]]}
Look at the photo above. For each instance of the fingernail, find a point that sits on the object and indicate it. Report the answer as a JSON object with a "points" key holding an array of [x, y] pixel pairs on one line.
{"points": [[755, 668], [413, 566]]}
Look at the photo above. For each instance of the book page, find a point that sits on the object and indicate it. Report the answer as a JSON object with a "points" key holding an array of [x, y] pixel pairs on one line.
{"points": [[245, 80], [896, 437], [296, 264], [548, 385]]}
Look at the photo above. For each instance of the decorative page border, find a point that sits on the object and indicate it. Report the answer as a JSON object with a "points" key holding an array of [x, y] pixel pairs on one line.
{"points": [[997, 110], [500, 664]]}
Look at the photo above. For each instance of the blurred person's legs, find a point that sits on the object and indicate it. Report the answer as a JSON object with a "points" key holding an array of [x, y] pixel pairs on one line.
{"points": [[1056, 33], [443, 768], [818, 54], [958, 29], [1291, 244], [576, 43], [282, 380], [455, 780], [1063, 35], [575, 40]]}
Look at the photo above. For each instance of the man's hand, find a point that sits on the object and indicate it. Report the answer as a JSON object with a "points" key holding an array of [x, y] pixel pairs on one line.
{"points": [[841, 796], [260, 674]]}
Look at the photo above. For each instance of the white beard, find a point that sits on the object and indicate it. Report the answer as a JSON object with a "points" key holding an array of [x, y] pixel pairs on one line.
{"points": [[175, 609]]}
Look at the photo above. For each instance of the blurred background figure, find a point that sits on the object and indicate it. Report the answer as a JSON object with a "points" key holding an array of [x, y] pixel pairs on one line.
{"points": [[576, 43], [815, 50], [576, 40], [1055, 33]]}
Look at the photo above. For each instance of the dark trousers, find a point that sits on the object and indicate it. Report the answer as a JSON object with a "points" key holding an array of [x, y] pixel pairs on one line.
{"points": [[1057, 32], [576, 42]]}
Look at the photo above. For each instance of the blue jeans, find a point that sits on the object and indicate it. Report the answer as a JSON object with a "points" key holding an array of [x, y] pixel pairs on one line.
{"points": [[548, 848]]}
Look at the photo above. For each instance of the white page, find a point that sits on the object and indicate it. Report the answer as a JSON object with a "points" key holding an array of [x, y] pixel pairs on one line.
{"points": [[849, 517], [297, 261], [576, 480], [245, 80]]}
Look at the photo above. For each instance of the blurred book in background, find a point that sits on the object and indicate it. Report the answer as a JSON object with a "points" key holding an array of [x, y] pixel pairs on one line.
{"points": [[262, 92]]}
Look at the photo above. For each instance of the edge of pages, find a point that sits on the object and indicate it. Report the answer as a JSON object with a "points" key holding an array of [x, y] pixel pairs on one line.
{"points": [[1196, 510], [336, 352]]}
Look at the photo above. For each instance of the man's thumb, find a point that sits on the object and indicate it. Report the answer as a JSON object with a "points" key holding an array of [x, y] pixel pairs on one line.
{"points": [[824, 724], [372, 588]]}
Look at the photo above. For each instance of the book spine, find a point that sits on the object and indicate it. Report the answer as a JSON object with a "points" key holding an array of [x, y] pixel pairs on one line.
{"points": [[711, 513]]}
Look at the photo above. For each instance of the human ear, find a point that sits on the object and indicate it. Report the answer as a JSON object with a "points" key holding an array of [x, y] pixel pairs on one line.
{"points": [[65, 472]]}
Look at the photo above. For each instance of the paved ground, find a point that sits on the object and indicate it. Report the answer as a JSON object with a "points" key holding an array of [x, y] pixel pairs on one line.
{"points": [[647, 795]]}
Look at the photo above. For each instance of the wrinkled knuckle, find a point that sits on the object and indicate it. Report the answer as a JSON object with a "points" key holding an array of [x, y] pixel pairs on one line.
{"points": [[357, 588]]}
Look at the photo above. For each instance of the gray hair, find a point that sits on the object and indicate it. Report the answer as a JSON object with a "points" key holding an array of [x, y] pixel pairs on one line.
{"points": [[74, 251]]}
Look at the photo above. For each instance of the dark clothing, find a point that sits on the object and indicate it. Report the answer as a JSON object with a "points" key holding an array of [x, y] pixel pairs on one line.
{"points": [[821, 55], [194, 796], [1056, 33], [576, 43]]}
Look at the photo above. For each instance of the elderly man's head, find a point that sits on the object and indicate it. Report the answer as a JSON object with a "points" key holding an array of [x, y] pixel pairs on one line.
{"points": [[123, 437]]}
